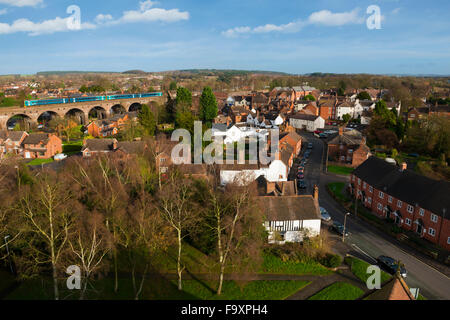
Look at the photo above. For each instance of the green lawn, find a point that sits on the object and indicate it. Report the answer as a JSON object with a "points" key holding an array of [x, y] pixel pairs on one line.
{"points": [[338, 188], [254, 290], [359, 269], [338, 291], [340, 170], [38, 162], [274, 265], [158, 288]]}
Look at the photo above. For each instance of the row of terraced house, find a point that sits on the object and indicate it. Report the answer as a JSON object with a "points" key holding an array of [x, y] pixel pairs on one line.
{"points": [[415, 202]]}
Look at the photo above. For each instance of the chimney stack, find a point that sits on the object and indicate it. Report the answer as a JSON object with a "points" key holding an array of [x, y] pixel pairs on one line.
{"points": [[404, 166], [316, 192]]}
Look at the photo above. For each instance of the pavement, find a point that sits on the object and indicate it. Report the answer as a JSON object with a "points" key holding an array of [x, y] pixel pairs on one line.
{"points": [[367, 242]]}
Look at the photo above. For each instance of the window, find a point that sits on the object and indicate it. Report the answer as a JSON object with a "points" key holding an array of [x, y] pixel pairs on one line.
{"points": [[399, 204], [431, 232], [370, 189], [369, 200], [359, 181], [448, 240], [381, 195], [350, 151], [380, 206], [434, 218], [408, 221], [390, 199], [364, 185], [410, 209], [421, 212]]}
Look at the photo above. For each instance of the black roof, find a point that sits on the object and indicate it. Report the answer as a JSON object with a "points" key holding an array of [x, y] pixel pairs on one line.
{"points": [[408, 186]]}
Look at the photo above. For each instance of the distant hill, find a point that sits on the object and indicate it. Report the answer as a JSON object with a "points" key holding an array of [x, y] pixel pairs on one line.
{"points": [[51, 73], [134, 72], [212, 72]]}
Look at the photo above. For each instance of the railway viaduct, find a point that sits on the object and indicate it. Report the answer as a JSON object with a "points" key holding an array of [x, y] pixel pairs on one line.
{"points": [[81, 109]]}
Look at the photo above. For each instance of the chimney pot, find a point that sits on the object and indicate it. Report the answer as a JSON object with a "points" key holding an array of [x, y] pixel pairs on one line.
{"points": [[316, 192]]}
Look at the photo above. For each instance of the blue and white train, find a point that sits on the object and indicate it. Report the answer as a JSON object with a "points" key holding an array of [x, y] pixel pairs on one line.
{"points": [[31, 103]]}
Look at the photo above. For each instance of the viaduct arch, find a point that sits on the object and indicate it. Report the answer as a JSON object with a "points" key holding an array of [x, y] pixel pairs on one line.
{"points": [[33, 113]]}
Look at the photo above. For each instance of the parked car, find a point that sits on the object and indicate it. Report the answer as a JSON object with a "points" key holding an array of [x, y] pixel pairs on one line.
{"points": [[325, 215], [301, 184], [60, 156], [300, 176], [323, 136], [390, 265], [301, 170], [318, 131], [310, 146], [339, 228]]}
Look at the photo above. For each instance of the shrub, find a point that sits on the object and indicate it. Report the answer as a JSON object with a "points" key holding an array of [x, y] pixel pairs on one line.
{"points": [[331, 260]]}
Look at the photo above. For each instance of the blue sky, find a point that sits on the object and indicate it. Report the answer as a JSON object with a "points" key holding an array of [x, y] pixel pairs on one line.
{"points": [[294, 36]]}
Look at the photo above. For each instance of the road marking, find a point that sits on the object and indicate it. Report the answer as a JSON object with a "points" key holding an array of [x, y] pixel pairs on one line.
{"points": [[361, 250]]}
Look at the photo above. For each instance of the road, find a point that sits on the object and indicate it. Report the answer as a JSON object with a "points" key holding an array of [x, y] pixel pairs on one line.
{"points": [[365, 239]]}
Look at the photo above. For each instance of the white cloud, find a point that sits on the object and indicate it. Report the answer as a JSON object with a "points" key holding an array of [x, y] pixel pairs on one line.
{"points": [[22, 3], [328, 18], [324, 17], [396, 10], [155, 14], [145, 5], [44, 27], [103, 18], [3, 11], [146, 13]]}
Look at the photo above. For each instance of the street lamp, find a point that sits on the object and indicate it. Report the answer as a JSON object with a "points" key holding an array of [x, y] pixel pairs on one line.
{"points": [[345, 223], [9, 256]]}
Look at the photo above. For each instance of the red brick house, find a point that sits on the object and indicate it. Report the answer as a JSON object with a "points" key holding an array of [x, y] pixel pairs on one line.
{"points": [[41, 146], [294, 140], [11, 142], [108, 127], [413, 201], [348, 148]]}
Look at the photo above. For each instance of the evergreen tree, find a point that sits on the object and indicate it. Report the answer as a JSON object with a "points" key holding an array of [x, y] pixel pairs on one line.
{"points": [[147, 120], [184, 99], [208, 105]]}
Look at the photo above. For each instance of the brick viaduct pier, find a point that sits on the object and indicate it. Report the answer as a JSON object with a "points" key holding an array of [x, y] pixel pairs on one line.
{"points": [[80, 109]]}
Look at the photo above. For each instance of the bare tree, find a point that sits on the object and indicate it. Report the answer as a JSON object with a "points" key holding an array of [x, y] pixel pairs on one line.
{"points": [[90, 242], [237, 224], [104, 183], [46, 208], [177, 209]]}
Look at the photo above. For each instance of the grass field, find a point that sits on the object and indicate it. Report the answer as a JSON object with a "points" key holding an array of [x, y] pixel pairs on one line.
{"points": [[359, 269], [338, 291], [274, 265], [337, 188], [38, 162], [254, 290], [340, 170]]}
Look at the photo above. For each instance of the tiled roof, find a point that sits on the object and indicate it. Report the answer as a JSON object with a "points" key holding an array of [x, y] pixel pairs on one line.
{"points": [[289, 208], [36, 138], [407, 185], [99, 144], [394, 289]]}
